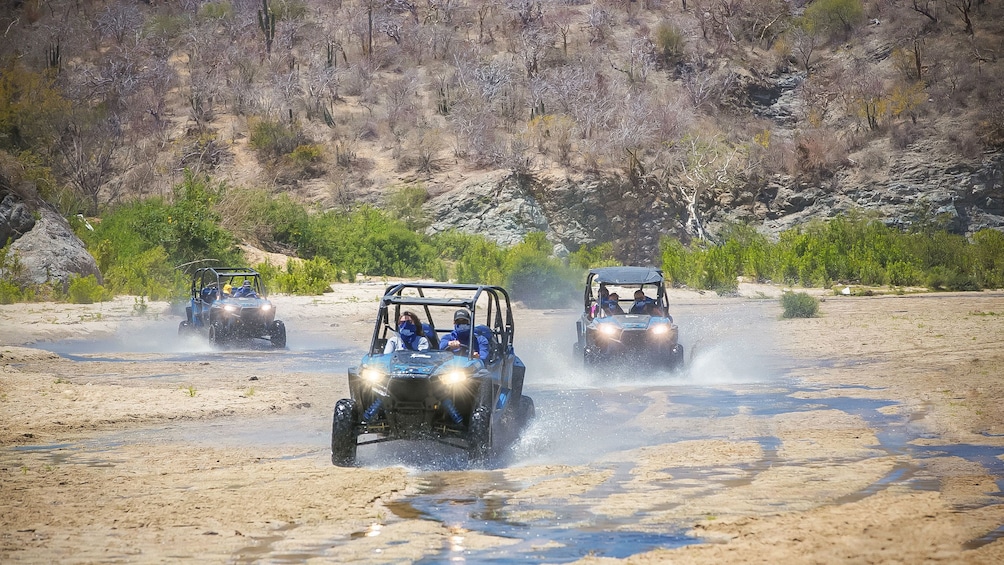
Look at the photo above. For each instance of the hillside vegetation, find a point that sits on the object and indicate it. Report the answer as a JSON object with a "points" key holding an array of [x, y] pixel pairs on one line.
{"points": [[388, 103]]}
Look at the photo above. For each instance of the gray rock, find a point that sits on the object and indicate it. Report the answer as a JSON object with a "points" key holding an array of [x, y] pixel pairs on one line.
{"points": [[52, 252], [15, 219], [495, 206], [636, 215]]}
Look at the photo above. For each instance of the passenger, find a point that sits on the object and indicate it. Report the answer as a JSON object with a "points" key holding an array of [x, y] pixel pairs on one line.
{"points": [[602, 296], [613, 306], [645, 305], [228, 290], [245, 291], [410, 335], [457, 340], [209, 293]]}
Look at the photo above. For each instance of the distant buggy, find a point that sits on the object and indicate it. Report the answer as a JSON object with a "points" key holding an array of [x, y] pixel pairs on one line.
{"points": [[451, 397], [230, 304], [626, 319]]}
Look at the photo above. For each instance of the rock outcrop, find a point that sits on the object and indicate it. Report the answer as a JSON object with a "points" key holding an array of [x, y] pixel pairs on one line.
{"points": [[635, 215], [51, 252], [15, 218]]}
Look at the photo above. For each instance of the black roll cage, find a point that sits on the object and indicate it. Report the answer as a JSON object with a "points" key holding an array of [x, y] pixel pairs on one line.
{"points": [[497, 314], [626, 276], [214, 276]]}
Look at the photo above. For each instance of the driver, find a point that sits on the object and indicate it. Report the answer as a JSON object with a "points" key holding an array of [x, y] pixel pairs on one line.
{"points": [[245, 290], [457, 340], [645, 305]]}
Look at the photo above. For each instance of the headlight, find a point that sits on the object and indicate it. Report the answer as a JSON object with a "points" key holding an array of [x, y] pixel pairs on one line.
{"points": [[659, 329], [371, 375], [454, 377], [230, 308], [266, 307], [608, 329]]}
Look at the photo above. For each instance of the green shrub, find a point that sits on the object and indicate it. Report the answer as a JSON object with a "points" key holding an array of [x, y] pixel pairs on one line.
{"points": [[273, 139], [536, 278], [140, 244], [31, 108], [677, 261], [10, 270], [86, 290], [591, 257], [902, 273], [10, 292], [307, 154], [310, 277], [988, 258], [405, 204], [147, 274], [799, 305], [216, 10], [834, 16], [669, 42], [946, 278], [475, 259]]}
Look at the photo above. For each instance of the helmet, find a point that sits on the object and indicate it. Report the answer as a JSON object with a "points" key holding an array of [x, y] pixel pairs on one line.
{"points": [[246, 283], [461, 315]]}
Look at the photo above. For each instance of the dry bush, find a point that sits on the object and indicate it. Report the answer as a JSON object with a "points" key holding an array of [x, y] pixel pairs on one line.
{"points": [[904, 134], [991, 121], [780, 157], [820, 153], [966, 142], [358, 80], [872, 159]]}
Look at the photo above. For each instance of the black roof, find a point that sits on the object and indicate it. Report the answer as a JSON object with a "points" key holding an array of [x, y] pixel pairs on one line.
{"points": [[627, 275]]}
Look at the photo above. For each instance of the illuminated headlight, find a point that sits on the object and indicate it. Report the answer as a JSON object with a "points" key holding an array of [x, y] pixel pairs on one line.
{"points": [[454, 377], [230, 308], [266, 307], [608, 329], [371, 375], [659, 329]]}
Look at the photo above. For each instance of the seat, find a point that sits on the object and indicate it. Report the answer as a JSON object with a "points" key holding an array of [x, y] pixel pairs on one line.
{"points": [[430, 334]]}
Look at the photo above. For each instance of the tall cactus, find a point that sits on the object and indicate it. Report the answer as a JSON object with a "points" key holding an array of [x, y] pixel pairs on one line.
{"points": [[52, 57], [266, 21]]}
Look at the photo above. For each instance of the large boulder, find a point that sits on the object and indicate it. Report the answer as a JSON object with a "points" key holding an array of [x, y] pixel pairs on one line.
{"points": [[51, 252], [15, 218]]}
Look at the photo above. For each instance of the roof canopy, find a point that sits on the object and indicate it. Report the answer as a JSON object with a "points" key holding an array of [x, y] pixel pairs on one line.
{"points": [[627, 275]]}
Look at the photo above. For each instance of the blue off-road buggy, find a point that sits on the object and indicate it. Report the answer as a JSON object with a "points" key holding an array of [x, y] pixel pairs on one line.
{"points": [[454, 398], [615, 327], [229, 304]]}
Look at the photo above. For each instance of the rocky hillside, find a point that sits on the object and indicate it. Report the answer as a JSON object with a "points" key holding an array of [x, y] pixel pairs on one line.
{"points": [[592, 121]]}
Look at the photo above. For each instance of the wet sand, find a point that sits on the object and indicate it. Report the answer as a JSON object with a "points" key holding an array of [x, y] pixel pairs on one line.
{"points": [[869, 457]]}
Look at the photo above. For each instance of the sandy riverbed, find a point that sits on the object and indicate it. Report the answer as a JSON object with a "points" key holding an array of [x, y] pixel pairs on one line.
{"points": [[936, 359]]}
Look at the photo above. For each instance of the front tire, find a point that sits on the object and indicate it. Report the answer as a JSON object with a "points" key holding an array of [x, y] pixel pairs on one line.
{"points": [[525, 411], [479, 436], [277, 334], [343, 434], [677, 359], [217, 335]]}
